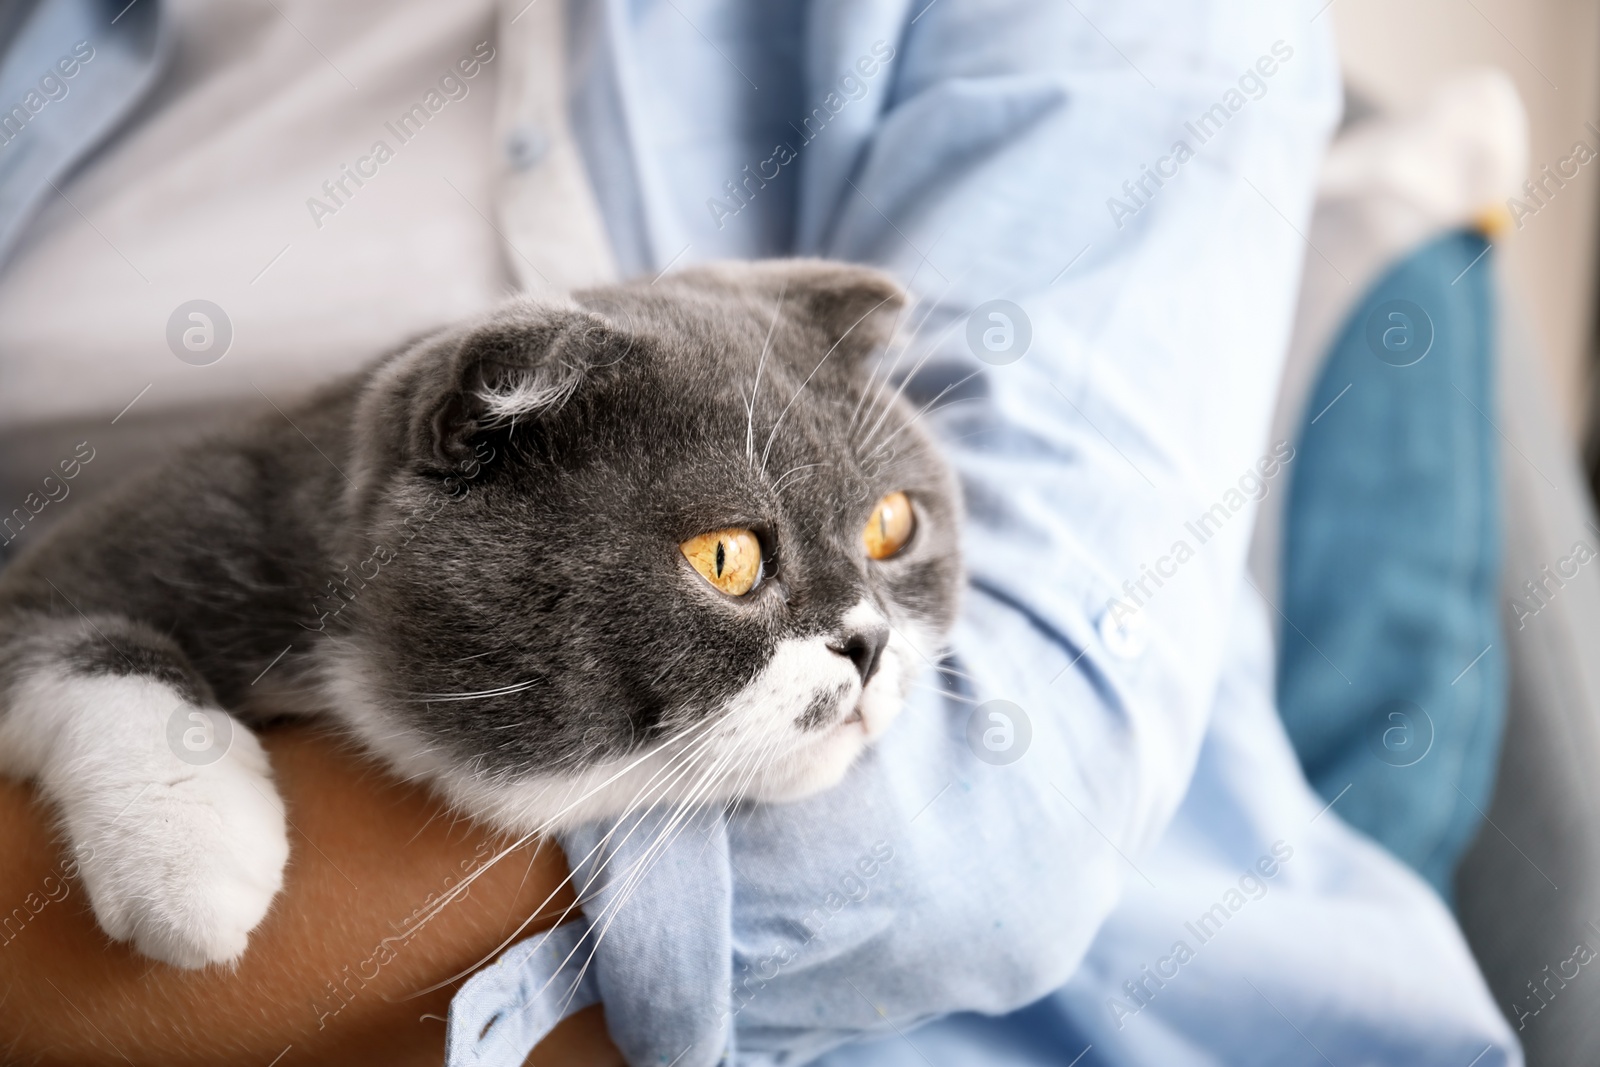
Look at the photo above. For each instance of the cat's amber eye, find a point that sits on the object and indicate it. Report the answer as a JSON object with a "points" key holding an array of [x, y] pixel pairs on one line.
{"points": [[728, 559], [890, 526]]}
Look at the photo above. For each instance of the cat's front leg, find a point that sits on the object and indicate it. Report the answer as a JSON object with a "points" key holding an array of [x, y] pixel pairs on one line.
{"points": [[167, 804]]}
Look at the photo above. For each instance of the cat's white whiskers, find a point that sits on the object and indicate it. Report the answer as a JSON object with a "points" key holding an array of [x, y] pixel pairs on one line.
{"points": [[904, 346], [899, 392], [634, 877], [481, 694], [925, 409], [767, 449], [641, 804], [750, 408], [708, 779], [894, 335], [704, 728], [760, 765], [684, 751], [630, 880], [958, 697], [706, 732], [916, 335], [574, 866], [943, 668], [678, 764], [777, 486]]}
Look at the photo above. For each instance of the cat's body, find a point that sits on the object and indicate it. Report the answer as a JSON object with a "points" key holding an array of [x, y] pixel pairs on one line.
{"points": [[479, 570]]}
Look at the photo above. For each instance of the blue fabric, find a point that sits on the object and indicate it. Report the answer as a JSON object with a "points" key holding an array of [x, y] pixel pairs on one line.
{"points": [[69, 74], [520, 997], [1261, 931], [936, 906], [1392, 672]]}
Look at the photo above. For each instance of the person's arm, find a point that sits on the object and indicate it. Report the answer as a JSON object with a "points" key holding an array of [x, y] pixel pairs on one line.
{"points": [[326, 976], [1025, 152]]}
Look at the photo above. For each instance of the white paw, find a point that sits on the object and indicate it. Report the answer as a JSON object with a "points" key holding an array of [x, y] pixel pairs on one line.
{"points": [[182, 860]]}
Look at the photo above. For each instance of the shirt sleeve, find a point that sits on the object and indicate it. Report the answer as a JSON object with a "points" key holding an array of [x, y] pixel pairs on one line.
{"points": [[1098, 207]]}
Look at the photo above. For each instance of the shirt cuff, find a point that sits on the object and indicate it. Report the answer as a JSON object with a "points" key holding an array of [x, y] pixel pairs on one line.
{"points": [[507, 1008]]}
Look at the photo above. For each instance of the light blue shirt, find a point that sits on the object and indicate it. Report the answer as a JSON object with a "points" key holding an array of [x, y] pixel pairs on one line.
{"points": [[1122, 864], [1136, 860]]}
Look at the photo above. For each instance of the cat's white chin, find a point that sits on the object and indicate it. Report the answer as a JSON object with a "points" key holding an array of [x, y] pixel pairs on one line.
{"points": [[821, 761], [819, 766]]}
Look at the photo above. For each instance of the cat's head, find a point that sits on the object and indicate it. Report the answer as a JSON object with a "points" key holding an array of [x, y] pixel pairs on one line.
{"points": [[669, 541]]}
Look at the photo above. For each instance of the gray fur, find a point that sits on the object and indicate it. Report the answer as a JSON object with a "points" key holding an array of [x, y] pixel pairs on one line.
{"points": [[499, 507]]}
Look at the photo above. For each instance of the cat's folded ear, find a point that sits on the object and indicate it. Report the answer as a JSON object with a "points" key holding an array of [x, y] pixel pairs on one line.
{"points": [[432, 403], [856, 307]]}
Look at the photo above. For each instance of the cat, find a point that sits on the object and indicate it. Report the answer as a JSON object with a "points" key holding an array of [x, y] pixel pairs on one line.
{"points": [[670, 542]]}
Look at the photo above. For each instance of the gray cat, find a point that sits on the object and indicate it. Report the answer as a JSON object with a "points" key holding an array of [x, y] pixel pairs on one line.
{"points": [[655, 543]]}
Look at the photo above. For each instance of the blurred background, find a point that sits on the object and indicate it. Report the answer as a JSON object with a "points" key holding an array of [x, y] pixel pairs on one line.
{"points": [[1528, 887], [1396, 54]]}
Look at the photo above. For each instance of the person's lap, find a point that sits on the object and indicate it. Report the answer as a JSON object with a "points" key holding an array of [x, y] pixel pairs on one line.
{"points": [[1405, 976]]}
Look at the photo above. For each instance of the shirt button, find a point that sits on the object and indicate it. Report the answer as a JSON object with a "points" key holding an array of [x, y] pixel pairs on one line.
{"points": [[526, 145], [1123, 633]]}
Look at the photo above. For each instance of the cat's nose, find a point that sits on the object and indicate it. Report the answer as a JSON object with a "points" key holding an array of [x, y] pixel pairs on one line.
{"points": [[864, 648]]}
